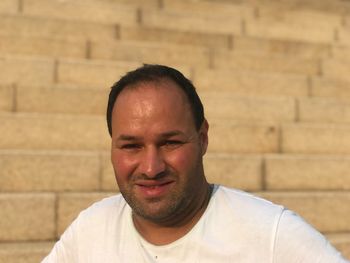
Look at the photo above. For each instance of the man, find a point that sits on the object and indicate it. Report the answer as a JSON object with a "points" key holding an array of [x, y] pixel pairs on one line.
{"points": [[167, 211]]}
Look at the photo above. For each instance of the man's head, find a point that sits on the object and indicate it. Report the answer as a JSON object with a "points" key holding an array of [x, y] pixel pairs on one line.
{"points": [[157, 144], [156, 73]]}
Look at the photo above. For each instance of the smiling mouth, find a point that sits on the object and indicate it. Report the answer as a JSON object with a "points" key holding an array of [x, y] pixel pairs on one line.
{"points": [[151, 189]]}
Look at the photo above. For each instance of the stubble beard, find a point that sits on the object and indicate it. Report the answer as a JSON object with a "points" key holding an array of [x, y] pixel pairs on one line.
{"points": [[163, 209]]}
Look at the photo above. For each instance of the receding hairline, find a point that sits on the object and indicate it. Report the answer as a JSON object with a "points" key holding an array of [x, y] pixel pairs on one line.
{"points": [[163, 81]]}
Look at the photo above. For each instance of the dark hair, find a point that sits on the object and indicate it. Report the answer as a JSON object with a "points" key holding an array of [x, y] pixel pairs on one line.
{"points": [[151, 73]]}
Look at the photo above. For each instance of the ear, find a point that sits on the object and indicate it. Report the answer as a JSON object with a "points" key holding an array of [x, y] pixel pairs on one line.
{"points": [[203, 136]]}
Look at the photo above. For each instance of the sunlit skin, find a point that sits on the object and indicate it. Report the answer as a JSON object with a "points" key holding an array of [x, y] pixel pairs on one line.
{"points": [[157, 158]]}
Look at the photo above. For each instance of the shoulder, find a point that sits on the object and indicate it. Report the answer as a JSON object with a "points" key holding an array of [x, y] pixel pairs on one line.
{"points": [[105, 209], [246, 203], [299, 242]]}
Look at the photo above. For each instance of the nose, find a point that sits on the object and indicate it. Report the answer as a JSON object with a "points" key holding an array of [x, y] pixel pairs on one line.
{"points": [[152, 162]]}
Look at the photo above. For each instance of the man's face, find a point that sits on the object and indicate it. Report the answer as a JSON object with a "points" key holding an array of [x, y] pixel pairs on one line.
{"points": [[157, 151]]}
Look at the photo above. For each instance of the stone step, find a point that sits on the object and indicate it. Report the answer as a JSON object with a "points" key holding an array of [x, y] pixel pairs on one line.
{"points": [[307, 172], [27, 217], [151, 52], [39, 46], [340, 52], [273, 64], [92, 74], [20, 25], [143, 33], [330, 88], [255, 84], [28, 252], [273, 47], [295, 29], [337, 69], [27, 171], [249, 109], [315, 138], [188, 21], [7, 96], [109, 12], [329, 212], [337, 7], [81, 171], [209, 8], [306, 17], [324, 110], [243, 137], [59, 99], [342, 242], [92, 101], [9, 6], [33, 70], [343, 34], [68, 132], [45, 131]]}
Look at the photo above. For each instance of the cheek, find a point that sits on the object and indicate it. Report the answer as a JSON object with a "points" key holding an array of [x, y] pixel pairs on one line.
{"points": [[183, 160], [123, 165]]}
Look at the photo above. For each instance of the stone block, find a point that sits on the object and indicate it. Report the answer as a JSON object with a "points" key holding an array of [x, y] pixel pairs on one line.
{"points": [[342, 242], [273, 64], [27, 217], [135, 3], [290, 30], [327, 211], [336, 69], [272, 47], [316, 138], [58, 99], [6, 98], [107, 12], [109, 182], [307, 172], [87, 73], [30, 252], [324, 110], [26, 70], [250, 84], [58, 29], [9, 6], [151, 53], [209, 8], [240, 137], [343, 35], [141, 33], [340, 52], [301, 16], [70, 205], [323, 87], [48, 171], [189, 22], [50, 47], [56, 132], [226, 107], [236, 171]]}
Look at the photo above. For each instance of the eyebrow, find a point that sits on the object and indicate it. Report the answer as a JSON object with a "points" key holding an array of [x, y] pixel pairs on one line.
{"points": [[124, 137]]}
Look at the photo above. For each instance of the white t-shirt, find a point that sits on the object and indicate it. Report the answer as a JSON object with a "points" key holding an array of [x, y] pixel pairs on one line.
{"points": [[236, 227]]}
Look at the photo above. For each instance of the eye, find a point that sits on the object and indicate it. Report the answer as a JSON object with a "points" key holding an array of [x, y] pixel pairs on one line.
{"points": [[173, 143], [130, 146]]}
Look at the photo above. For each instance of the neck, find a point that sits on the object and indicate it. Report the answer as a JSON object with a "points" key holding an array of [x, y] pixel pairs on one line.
{"points": [[168, 231]]}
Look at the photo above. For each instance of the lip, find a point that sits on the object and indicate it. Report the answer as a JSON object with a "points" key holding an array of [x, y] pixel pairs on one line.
{"points": [[154, 189]]}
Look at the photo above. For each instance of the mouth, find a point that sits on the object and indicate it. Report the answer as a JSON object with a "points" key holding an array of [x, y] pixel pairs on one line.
{"points": [[154, 189]]}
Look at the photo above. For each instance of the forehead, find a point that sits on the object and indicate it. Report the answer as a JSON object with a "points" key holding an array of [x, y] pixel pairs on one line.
{"points": [[152, 106], [156, 92]]}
